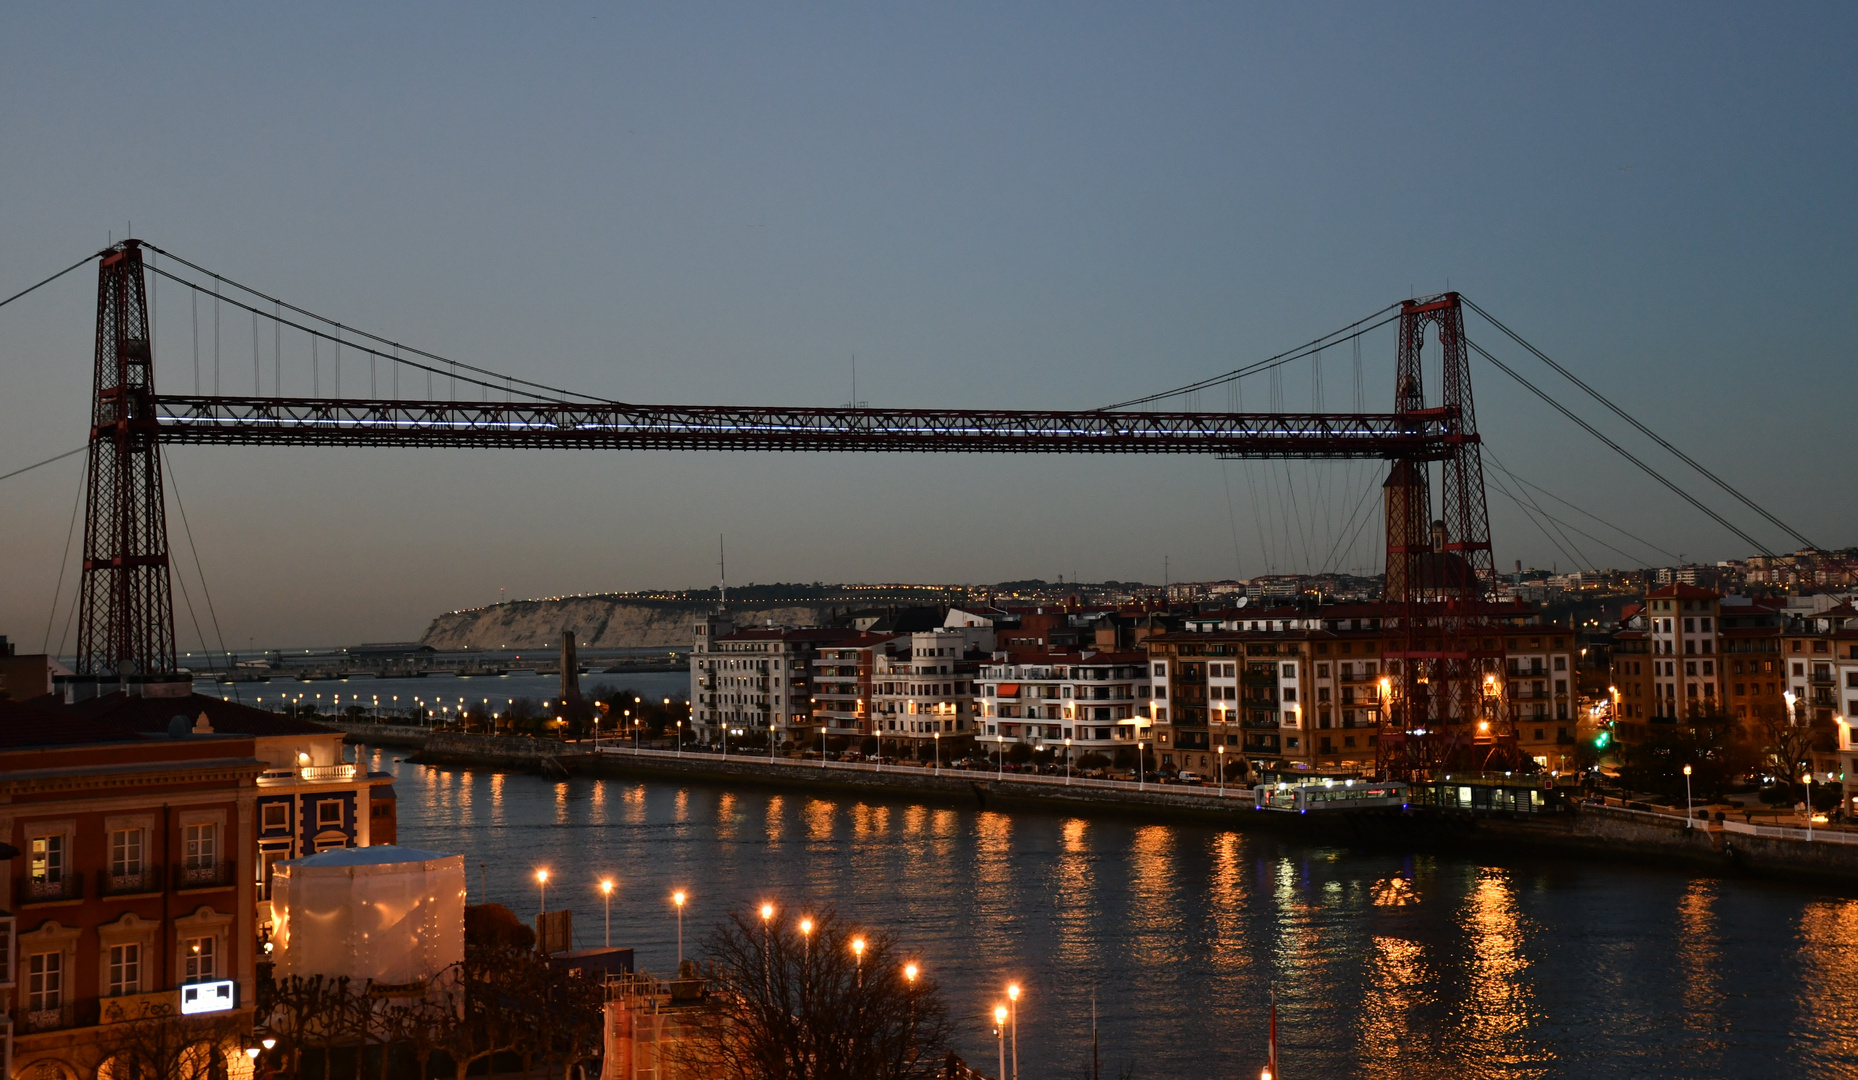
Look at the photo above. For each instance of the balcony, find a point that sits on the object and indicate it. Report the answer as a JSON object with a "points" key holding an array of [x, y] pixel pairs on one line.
{"points": [[308, 774], [210, 875], [40, 891], [50, 1019], [141, 882]]}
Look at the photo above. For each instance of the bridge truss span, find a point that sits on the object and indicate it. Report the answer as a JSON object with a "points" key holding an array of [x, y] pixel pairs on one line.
{"points": [[260, 421]]}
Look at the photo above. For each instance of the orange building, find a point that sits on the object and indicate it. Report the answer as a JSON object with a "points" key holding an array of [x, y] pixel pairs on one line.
{"points": [[129, 875]]}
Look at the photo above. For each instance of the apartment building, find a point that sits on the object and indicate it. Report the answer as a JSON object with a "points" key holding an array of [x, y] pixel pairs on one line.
{"points": [[756, 680], [310, 797], [1308, 688], [1071, 702], [128, 888], [844, 680], [925, 693]]}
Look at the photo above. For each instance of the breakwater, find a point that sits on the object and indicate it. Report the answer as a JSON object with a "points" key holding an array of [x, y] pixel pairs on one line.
{"points": [[1586, 831]]}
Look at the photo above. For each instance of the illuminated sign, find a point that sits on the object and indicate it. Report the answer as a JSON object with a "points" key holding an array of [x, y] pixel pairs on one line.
{"points": [[209, 997]]}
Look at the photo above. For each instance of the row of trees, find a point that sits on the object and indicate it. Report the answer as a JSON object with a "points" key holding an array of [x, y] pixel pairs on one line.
{"points": [[1725, 756]]}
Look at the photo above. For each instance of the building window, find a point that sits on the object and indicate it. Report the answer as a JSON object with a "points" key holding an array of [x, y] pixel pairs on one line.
{"points": [[276, 816], [329, 814], [200, 967], [126, 852], [125, 970], [45, 981], [200, 846], [48, 859]]}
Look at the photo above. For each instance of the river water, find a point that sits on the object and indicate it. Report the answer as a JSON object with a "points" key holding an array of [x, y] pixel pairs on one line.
{"points": [[1386, 964]]}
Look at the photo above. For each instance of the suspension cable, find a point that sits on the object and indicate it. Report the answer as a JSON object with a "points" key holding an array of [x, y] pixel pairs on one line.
{"points": [[1335, 337], [318, 334], [453, 365], [1643, 430], [1618, 449], [48, 280]]}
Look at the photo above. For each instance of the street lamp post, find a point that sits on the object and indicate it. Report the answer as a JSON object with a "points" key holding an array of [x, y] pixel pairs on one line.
{"points": [[1141, 766], [678, 899], [937, 736], [606, 890], [1219, 759], [1012, 996], [858, 959], [1808, 779], [1067, 763], [1000, 1036], [541, 880], [767, 947], [1690, 817]]}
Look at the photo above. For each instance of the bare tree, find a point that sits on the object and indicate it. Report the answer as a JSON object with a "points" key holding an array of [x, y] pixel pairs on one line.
{"points": [[149, 1040], [1785, 740], [788, 1005]]}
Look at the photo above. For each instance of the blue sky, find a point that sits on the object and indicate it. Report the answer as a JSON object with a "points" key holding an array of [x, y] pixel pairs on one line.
{"points": [[995, 205]]}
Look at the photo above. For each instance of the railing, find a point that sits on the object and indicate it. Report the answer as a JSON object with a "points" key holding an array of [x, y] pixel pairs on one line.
{"points": [[213, 875], [1234, 792], [327, 772], [51, 1019], [40, 891], [1790, 832], [145, 880]]}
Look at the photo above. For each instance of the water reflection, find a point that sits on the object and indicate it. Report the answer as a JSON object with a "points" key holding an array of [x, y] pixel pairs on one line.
{"points": [[1497, 1010], [1591, 970], [1827, 1022]]}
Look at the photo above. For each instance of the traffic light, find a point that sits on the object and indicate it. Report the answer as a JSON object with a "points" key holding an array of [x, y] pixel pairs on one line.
{"points": [[1603, 739]]}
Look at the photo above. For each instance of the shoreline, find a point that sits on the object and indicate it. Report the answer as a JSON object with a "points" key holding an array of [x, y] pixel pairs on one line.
{"points": [[1582, 832]]}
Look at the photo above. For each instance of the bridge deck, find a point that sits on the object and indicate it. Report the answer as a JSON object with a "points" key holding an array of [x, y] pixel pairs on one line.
{"points": [[347, 422]]}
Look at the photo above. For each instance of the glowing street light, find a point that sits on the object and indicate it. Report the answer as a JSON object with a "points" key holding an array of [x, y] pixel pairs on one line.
{"points": [[541, 880], [606, 891], [1690, 818], [858, 958]]}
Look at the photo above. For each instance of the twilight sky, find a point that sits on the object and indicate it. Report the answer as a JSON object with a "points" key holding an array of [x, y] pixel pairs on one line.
{"points": [[1056, 206]]}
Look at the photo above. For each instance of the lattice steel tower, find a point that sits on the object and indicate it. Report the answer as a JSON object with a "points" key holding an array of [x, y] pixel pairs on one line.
{"points": [[126, 619]]}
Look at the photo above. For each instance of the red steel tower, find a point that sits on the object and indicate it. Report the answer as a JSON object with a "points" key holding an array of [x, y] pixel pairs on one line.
{"points": [[1444, 687], [126, 621]]}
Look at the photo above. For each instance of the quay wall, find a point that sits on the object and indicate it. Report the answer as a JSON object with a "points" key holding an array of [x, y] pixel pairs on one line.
{"points": [[1588, 832]]}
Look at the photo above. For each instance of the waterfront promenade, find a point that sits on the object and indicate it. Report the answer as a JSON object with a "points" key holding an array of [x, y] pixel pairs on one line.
{"points": [[1590, 829]]}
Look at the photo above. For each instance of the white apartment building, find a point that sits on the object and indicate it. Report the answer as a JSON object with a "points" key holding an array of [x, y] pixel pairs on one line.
{"points": [[926, 692], [1072, 702], [757, 680]]}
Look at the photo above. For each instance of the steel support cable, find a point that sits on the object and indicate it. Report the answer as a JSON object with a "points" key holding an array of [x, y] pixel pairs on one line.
{"points": [[1575, 556], [1563, 524], [47, 461], [1513, 475], [64, 561], [1337, 548], [205, 591], [1580, 557], [453, 364], [1334, 337], [374, 352], [49, 280], [1647, 432], [1618, 449]]}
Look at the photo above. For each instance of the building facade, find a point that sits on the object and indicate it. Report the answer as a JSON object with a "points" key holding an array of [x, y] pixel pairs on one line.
{"points": [[132, 881], [1072, 703], [924, 693]]}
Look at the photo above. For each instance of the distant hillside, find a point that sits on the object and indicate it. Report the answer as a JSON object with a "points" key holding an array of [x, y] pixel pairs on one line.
{"points": [[602, 622]]}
